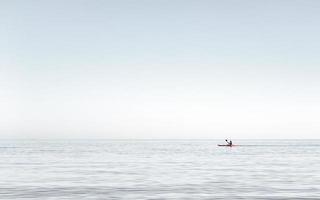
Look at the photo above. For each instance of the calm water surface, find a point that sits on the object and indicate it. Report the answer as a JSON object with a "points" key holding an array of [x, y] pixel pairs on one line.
{"points": [[159, 169]]}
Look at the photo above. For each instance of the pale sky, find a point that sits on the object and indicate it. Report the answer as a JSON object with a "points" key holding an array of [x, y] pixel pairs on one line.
{"points": [[160, 69]]}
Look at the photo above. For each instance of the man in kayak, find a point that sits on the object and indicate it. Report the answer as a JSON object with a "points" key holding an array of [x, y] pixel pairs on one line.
{"points": [[229, 143]]}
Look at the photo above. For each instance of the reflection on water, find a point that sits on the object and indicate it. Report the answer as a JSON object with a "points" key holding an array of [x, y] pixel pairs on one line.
{"points": [[160, 169]]}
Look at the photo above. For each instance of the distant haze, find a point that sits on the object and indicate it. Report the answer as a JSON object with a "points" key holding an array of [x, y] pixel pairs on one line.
{"points": [[160, 69]]}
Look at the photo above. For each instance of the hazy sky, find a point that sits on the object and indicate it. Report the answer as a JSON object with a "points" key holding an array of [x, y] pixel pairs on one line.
{"points": [[160, 69]]}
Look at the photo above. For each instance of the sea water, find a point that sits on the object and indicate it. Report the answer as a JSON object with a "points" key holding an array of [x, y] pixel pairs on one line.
{"points": [[159, 169]]}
